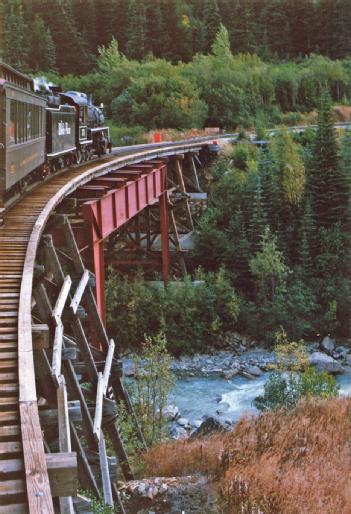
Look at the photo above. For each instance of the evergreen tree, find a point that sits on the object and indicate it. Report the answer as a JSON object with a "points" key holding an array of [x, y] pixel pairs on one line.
{"points": [[221, 44], [324, 180], [345, 182], [245, 26], [154, 27], [237, 258], [16, 48], [42, 55], [177, 38], [120, 28], [136, 44], [86, 21], [72, 52], [50, 57], [302, 20], [270, 190], [258, 220], [105, 16], [274, 19], [212, 22], [307, 240]]}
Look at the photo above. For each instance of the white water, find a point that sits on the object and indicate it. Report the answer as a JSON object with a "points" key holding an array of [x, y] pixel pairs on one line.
{"points": [[229, 399]]}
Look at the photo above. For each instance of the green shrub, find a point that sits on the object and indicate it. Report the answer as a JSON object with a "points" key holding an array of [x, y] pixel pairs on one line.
{"points": [[190, 313], [152, 385], [123, 135], [285, 390], [160, 102]]}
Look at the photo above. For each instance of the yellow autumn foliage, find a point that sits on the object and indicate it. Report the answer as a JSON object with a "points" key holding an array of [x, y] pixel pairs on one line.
{"points": [[292, 170]]}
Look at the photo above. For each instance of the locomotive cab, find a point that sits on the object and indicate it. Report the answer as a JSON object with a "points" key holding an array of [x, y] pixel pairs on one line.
{"points": [[80, 103]]}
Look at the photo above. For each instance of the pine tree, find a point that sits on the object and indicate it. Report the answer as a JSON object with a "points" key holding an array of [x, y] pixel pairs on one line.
{"points": [[71, 49], [105, 16], [270, 191], [307, 241], [212, 22], [16, 47], [324, 180], [258, 220], [237, 258], [345, 182], [274, 18], [245, 29], [120, 24], [136, 45], [154, 27], [221, 44], [86, 21], [176, 39], [50, 51], [302, 20], [42, 55]]}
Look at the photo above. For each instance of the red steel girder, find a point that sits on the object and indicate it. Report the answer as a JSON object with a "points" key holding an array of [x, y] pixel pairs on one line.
{"points": [[132, 189]]}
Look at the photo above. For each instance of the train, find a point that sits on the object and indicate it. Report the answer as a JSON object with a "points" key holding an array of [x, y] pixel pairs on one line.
{"points": [[43, 130]]}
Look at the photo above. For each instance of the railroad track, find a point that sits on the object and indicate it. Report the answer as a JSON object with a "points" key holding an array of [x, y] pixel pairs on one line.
{"points": [[14, 239], [24, 485]]}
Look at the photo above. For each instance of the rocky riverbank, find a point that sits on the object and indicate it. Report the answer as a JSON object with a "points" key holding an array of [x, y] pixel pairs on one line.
{"points": [[168, 495], [213, 390], [247, 359]]}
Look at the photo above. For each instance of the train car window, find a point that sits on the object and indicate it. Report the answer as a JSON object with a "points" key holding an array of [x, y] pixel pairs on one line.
{"points": [[19, 121], [82, 114], [29, 121], [36, 111], [12, 124], [41, 128], [23, 122]]}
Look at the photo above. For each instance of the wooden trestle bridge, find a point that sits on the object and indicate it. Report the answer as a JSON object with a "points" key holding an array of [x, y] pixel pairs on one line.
{"points": [[60, 377]]}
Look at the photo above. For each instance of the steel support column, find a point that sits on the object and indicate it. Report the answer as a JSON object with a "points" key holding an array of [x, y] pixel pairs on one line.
{"points": [[99, 269], [164, 230]]}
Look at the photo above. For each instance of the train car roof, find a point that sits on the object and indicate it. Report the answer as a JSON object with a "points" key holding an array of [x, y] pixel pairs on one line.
{"points": [[12, 76]]}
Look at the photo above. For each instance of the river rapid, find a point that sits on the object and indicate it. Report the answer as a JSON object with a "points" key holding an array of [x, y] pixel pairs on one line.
{"points": [[196, 397]]}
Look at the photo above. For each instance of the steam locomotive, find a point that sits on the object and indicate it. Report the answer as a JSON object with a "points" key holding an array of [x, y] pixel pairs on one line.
{"points": [[41, 132]]}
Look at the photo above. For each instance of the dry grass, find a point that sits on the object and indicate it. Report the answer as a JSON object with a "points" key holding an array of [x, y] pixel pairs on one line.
{"points": [[178, 458], [286, 463]]}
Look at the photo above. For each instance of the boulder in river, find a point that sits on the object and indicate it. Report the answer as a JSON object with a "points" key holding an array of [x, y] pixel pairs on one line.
{"points": [[178, 432], [208, 426], [171, 412], [253, 370], [327, 345], [183, 422], [326, 363], [231, 373]]}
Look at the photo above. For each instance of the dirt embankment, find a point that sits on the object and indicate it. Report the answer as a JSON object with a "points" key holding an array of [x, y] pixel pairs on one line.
{"points": [[296, 462]]}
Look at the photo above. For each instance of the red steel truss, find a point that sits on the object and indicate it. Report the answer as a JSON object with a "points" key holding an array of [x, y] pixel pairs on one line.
{"points": [[120, 196]]}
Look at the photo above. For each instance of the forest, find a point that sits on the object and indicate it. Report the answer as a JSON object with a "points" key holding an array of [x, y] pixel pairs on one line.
{"points": [[222, 63], [65, 34], [273, 248]]}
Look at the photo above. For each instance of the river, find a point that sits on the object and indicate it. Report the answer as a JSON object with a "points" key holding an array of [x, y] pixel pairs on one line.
{"points": [[228, 399]]}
